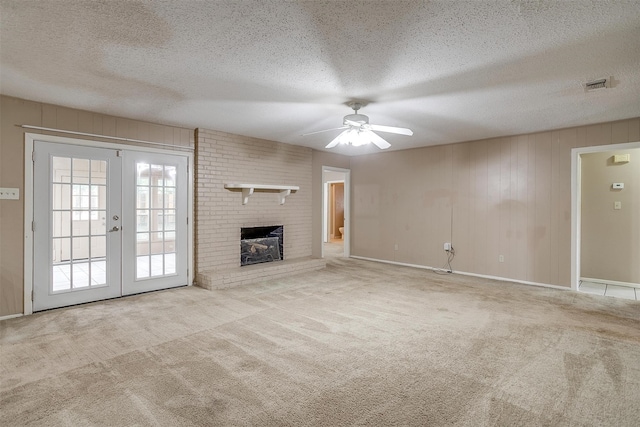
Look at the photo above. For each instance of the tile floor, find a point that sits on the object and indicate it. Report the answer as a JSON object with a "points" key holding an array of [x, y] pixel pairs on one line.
{"points": [[616, 291], [94, 273]]}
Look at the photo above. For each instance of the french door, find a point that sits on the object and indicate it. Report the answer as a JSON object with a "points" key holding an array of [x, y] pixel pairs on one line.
{"points": [[107, 222]]}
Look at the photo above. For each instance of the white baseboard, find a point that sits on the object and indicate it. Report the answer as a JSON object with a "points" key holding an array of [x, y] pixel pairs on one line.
{"points": [[10, 316], [611, 282], [463, 273]]}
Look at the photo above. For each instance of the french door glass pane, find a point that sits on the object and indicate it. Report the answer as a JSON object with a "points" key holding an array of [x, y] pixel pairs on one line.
{"points": [[78, 215], [98, 273], [61, 224], [155, 214], [80, 276], [142, 267], [61, 196], [170, 263], [61, 277]]}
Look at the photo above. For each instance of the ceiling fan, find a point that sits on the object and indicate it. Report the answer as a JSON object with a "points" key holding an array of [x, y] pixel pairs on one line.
{"points": [[357, 130]]}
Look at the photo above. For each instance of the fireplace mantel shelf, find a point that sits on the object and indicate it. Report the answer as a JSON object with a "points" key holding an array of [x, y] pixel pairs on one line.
{"points": [[248, 189]]}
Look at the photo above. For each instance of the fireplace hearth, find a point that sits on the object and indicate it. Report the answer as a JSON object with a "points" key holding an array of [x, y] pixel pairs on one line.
{"points": [[261, 244]]}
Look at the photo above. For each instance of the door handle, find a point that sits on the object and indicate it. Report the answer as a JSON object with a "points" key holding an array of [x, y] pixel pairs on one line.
{"points": [[115, 228]]}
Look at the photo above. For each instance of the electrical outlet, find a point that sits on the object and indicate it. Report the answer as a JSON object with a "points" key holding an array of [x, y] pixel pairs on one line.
{"points": [[10, 193], [447, 246], [617, 205], [501, 258]]}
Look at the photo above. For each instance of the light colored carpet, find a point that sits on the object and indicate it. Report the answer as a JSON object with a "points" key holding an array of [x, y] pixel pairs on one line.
{"points": [[359, 343]]}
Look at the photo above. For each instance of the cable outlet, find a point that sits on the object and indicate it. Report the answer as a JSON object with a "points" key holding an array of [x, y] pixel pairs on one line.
{"points": [[447, 246]]}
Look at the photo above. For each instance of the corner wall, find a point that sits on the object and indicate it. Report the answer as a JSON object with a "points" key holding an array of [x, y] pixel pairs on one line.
{"points": [[504, 196], [226, 158]]}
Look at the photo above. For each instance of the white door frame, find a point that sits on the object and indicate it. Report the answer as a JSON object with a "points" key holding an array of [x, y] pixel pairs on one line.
{"points": [[576, 201], [347, 207], [30, 139]]}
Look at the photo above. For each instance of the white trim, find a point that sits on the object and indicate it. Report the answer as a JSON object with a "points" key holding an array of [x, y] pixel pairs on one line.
{"points": [[100, 144], [325, 216], [248, 189], [347, 207], [30, 139], [191, 262], [462, 273], [610, 282], [576, 194], [117, 138], [28, 220], [10, 316]]}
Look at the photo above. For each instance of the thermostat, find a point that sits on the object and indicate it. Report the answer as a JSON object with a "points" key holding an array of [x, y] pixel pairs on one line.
{"points": [[618, 185]]}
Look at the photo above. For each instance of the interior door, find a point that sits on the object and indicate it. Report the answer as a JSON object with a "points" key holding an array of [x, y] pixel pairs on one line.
{"points": [[155, 222], [77, 239]]}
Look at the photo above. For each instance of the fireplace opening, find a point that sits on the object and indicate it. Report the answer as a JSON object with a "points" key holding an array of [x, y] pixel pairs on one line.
{"points": [[261, 244]]}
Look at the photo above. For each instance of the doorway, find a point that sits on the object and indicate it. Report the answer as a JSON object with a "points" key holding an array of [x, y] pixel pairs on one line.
{"points": [[335, 212], [107, 221], [605, 221]]}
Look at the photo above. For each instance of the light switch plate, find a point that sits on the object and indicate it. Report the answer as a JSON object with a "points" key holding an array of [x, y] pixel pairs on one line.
{"points": [[10, 193]]}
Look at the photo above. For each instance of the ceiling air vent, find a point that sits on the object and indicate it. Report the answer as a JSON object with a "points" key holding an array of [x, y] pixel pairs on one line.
{"points": [[597, 84]]}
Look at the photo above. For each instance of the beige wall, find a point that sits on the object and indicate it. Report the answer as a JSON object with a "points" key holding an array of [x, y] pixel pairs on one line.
{"points": [[610, 245], [504, 196], [14, 112], [225, 158], [320, 159]]}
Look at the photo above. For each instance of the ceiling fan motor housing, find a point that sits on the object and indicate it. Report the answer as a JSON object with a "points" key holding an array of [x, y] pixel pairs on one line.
{"points": [[357, 118]]}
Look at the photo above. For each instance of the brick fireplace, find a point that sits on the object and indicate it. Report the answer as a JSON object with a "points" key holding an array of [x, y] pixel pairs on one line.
{"points": [[221, 215]]}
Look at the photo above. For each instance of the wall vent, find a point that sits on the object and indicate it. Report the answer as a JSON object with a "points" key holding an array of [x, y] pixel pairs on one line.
{"points": [[597, 84]]}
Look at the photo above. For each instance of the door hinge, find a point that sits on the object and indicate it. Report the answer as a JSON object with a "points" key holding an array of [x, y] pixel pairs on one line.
{"points": [[33, 226], [118, 153], [31, 295], [187, 220], [33, 156]]}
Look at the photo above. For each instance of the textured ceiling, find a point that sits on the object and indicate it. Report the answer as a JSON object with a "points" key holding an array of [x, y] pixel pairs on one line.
{"points": [[450, 70]]}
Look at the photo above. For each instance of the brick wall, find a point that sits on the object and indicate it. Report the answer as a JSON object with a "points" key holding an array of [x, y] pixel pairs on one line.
{"points": [[226, 158]]}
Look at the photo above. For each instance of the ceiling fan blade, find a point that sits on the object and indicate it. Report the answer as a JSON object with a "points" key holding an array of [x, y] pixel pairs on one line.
{"points": [[326, 130], [381, 143], [392, 129], [335, 140]]}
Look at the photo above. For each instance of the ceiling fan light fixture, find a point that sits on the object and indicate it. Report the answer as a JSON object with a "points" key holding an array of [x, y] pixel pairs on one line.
{"points": [[353, 137], [359, 132]]}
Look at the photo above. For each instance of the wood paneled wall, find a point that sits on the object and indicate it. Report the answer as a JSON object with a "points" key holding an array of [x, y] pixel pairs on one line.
{"points": [[504, 196], [14, 112]]}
